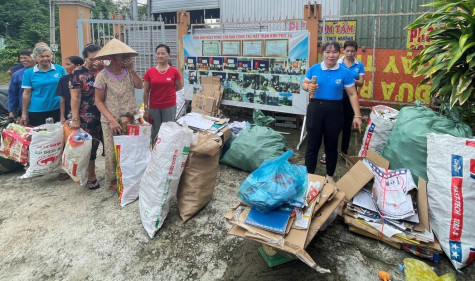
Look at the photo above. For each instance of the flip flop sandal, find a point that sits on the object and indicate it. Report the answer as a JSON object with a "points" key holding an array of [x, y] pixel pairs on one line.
{"points": [[323, 159], [91, 185]]}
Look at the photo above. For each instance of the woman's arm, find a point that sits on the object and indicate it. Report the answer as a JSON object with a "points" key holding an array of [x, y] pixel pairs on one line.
{"points": [[25, 105], [99, 99], [178, 84], [355, 104], [138, 84], [75, 104], [146, 97], [360, 81], [62, 109]]}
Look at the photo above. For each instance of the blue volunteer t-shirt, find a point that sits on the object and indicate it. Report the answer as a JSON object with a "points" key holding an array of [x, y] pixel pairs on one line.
{"points": [[356, 69], [331, 82], [43, 85]]}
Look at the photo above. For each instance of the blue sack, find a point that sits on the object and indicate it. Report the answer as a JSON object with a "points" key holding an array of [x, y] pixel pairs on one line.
{"points": [[276, 182]]}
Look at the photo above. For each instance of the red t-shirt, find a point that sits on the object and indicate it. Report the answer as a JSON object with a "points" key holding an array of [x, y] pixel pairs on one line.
{"points": [[162, 87]]}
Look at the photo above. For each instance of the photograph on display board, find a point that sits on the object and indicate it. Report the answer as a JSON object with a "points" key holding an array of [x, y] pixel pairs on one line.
{"points": [[244, 64], [192, 77], [298, 67], [230, 63], [210, 48], [277, 48], [272, 98], [285, 99], [269, 82], [216, 63], [260, 65], [251, 81], [221, 75], [232, 94], [231, 48], [248, 95], [252, 48], [202, 63], [289, 84], [278, 66], [260, 97], [190, 63]]}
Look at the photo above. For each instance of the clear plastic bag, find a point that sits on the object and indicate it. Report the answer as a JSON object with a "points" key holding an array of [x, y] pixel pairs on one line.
{"points": [[275, 183]]}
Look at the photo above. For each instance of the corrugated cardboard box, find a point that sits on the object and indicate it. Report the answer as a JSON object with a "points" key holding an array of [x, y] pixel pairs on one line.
{"points": [[204, 105]]}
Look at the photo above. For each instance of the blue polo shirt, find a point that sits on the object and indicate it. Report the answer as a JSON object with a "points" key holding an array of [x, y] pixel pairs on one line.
{"points": [[43, 87], [15, 92], [356, 69], [331, 82]]}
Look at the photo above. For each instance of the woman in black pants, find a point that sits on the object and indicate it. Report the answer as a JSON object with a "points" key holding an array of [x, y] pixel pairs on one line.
{"points": [[325, 109]]}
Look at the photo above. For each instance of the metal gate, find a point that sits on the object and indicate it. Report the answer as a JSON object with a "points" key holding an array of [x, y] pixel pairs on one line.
{"points": [[142, 35]]}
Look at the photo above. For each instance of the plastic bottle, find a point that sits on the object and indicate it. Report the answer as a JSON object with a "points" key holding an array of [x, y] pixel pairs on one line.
{"points": [[49, 120], [77, 138], [313, 83]]}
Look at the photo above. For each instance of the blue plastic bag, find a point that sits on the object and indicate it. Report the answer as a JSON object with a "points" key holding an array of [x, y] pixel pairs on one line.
{"points": [[276, 182]]}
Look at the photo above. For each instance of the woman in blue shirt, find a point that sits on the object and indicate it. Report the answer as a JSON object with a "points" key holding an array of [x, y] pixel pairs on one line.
{"points": [[325, 109], [39, 84]]}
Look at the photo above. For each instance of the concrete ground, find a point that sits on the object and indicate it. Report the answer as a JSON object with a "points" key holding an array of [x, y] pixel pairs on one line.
{"points": [[57, 230]]}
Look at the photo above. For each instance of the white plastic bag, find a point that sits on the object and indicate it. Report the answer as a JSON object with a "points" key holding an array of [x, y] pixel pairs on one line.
{"points": [[451, 193], [76, 158], [180, 102], [132, 153], [46, 148], [380, 125], [160, 181]]}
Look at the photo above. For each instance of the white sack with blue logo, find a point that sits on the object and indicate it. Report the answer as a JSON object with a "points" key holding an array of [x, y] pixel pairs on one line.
{"points": [[380, 124], [451, 193]]}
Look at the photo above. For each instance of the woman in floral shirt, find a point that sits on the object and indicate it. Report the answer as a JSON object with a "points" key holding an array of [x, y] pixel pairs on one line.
{"points": [[115, 97], [83, 109]]}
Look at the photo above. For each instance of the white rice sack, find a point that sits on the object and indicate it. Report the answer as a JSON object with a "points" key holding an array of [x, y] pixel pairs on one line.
{"points": [[451, 193], [160, 181], [380, 124], [76, 158], [46, 148]]}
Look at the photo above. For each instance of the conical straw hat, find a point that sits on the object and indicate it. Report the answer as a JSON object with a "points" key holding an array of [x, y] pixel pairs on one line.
{"points": [[115, 47]]}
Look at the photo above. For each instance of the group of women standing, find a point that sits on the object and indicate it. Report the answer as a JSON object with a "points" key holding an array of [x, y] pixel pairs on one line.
{"points": [[93, 96]]}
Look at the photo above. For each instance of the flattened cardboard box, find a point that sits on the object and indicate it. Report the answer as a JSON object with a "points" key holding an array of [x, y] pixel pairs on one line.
{"points": [[296, 240], [357, 167], [203, 105], [211, 87]]}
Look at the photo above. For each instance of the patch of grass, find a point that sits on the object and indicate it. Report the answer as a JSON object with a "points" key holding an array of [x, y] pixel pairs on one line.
{"points": [[4, 77]]}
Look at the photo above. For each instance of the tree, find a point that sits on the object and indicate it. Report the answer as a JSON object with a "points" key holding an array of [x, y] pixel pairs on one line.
{"points": [[448, 62]]}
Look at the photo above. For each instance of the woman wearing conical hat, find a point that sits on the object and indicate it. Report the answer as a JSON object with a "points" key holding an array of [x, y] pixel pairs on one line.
{"points": [[115, 97]]}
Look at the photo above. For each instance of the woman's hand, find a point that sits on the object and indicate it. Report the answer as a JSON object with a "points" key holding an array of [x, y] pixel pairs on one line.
{"points": [[75, 124], [62, 119], [312, 88], [146, 114], [357, 123], [115, 127], [23, 120]]}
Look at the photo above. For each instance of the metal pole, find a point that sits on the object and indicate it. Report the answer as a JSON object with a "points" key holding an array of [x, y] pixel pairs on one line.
{"points": [[51, 23]]}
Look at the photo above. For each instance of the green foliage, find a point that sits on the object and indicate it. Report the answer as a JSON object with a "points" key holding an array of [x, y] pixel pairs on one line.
{"points": [[8, 58], [448, 61]]}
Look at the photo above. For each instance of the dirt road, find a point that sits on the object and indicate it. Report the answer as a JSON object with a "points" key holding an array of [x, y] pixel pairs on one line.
{"points": [[55, 230]]}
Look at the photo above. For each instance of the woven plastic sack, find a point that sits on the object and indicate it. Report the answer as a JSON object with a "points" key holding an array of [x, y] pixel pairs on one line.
{"points": [[76, 156], [46, 149], [275, 183], [254, 145], [407, 144], [380, 125], [160, 180], [451, 195], [132, 154]]}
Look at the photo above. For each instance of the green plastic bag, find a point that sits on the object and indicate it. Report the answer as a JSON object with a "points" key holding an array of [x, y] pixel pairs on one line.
{"points": [[260, 119], [254, 145], [407, 144], [417, 270]]}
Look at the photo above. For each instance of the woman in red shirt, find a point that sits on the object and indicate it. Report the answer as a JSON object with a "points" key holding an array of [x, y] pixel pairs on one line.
{"points": [[160, 85]]}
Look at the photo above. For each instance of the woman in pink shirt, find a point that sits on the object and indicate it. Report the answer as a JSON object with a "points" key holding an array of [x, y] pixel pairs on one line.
{"points": [[160, 86]]}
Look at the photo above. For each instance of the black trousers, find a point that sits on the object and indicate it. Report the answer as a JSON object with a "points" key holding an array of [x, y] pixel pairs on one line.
{"points": [[348, 115], [324, 120], [39, 118]]}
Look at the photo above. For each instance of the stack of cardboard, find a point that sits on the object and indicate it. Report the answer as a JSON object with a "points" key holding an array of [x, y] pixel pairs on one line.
{"points": [[208, 100], [363, 219]]}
